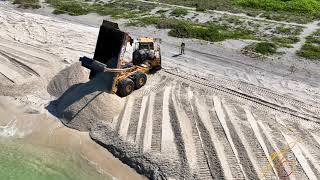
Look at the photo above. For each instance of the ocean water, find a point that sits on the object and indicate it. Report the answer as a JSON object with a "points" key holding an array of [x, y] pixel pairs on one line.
{"points": [[22, 161]]}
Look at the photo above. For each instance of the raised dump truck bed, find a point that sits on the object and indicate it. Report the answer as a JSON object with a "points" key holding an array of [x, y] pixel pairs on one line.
{"points": [[109, 58]]}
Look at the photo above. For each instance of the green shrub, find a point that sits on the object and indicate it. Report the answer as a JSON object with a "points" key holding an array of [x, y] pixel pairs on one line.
{"points": [[283, 30], [34, 4], [179, 12], [315, 38], [201, 9], [210, 32], [310, 51], [296, 6], [286, 40], [75, 8], [71, 8], [264, 48], [189, 29]]}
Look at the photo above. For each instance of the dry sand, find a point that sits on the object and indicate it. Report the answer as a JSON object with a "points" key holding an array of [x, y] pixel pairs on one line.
{"points": [[253, 108], [74, 74], [31, 54], [81, 102]]}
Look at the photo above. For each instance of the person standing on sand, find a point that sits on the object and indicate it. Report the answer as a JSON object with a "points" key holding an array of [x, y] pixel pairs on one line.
{"points": [[183, 45]]}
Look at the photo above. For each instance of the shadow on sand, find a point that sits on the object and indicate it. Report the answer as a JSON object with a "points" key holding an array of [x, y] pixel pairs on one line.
{"points": [[92, 89], [177, 55]]}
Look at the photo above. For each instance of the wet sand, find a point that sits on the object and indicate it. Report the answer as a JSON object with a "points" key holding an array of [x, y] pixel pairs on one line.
{"points": [[41, 130]]}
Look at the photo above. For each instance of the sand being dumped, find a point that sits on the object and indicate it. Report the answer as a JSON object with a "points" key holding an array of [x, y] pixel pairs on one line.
{"points": [[72, 75], [82, 103]]}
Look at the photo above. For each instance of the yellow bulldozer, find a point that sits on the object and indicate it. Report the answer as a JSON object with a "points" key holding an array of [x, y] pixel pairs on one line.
{"points": [[127, 75]]}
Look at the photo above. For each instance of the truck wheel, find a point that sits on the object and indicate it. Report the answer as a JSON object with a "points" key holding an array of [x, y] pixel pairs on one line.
{"points": [[125, 87], [139, 79], [92, 74], [157, 68]]}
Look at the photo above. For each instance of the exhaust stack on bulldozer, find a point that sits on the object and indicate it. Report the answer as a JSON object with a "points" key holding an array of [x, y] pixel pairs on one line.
{"points": [[109, 58]]}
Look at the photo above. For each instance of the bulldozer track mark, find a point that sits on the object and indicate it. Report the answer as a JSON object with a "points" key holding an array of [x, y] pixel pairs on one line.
{"points": [[261, 91], [225, 125], [147, 139], [202, 160], [311, 154], [239, 147], [308, 153], [303, 162], [143, 126], [144, 102], [208, 146], [204, 110], [134, 120], [273, 145], [228, 153], [178, 137], [258, 133], [23, 66], [278, 141], [120, 117], [258, 158], [248, 88], [168, 145], [157, 123], [125, 121], [201, 83]]}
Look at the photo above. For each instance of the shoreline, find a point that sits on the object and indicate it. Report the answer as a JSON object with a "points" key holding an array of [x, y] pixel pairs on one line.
{"points": [[48, 132]]}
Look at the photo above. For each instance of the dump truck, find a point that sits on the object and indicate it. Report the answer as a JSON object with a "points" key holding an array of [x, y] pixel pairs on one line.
{"points": [[127, 75]]}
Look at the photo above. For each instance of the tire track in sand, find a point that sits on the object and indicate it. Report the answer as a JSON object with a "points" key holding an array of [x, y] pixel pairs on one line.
{"points": [[216, 160], [258, 134], [203, 167], [168, 145], [243, 147], [134, 120], [270, 128], [19, 64], [157, 122], [142, 124], [305, 148], [143, 111], [301, 158], [183, 142], [125, 121], [222, 118], [257, 159], [226, 151]]}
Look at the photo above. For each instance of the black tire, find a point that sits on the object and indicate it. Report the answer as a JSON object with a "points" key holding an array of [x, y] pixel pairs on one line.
{"points": [[157, 68], [139, 79], [125, 87], [92, 74], [136, 59]]}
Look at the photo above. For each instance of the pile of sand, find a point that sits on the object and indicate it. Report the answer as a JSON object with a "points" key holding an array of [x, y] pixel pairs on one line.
{"points": [[66, 78], [82, 102]]}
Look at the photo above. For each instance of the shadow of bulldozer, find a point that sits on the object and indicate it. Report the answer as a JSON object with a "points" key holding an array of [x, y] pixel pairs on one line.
{"points": [[83, 104]]}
